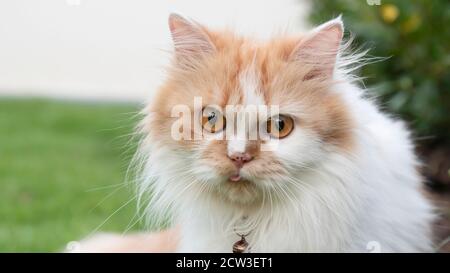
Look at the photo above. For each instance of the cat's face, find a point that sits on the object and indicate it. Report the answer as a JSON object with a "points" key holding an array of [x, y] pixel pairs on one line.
{"points": [[294, 76]]}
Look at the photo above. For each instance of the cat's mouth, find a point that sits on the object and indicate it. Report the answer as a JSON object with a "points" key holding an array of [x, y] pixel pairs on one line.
{"points": [[235, 177]]}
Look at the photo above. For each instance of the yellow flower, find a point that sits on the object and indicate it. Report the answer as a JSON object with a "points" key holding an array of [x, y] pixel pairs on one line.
{"points": [[389, 12]]}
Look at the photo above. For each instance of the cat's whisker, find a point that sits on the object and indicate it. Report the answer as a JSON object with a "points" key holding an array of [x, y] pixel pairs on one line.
{"points": [[108, 196], [304, 187], [111, 215], [107, 187], [131, 224]]}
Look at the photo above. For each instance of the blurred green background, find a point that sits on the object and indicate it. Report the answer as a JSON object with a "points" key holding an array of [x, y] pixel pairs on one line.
{"points": [[415, 79], [63, 164], [62, 172]]}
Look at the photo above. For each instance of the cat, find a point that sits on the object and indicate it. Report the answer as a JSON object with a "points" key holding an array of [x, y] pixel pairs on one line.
{"points": [[342, 176]]}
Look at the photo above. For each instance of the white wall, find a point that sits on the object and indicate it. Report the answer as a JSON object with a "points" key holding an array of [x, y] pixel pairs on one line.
{"points": [[113, 49]]}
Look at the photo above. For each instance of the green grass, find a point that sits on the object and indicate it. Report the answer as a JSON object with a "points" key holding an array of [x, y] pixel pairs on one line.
{"points": [[54, 156]]}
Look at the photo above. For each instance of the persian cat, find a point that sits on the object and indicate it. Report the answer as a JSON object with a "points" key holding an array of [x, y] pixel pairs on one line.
{"points": [[330, 172]]}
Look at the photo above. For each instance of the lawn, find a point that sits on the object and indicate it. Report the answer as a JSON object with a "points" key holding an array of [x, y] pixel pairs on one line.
{"points": [[62, 172]]}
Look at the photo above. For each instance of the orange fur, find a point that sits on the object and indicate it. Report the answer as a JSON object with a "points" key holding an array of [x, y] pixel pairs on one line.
{"points": [[215, 79]]}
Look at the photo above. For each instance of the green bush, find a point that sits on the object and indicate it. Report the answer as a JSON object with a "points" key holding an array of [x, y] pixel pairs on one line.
{"points": [[414, 81]]}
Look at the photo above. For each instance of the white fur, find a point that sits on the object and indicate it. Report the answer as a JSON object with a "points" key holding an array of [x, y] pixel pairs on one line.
{"points": [[331, 202], [252, 97]]}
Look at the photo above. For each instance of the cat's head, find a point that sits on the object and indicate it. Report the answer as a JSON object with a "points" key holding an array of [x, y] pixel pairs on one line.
{"points": [[293, 76]]}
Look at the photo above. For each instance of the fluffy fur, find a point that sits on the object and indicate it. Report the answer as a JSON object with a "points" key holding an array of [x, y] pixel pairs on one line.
{"points": [[344, 178]]}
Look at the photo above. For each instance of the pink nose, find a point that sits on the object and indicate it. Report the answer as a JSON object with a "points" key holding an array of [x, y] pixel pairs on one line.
{"points": [[239, 159]]}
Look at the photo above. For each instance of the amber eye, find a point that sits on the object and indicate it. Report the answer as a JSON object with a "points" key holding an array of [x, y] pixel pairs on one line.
{"points": [[280, 126], [212, 120]]}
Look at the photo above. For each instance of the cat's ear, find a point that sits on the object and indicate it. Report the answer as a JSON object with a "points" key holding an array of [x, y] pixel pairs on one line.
{"points": [[189, 38], [319, 48]]}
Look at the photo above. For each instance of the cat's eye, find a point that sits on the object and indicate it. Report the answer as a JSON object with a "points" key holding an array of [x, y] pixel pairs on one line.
{"points": [[280, 126], [213, 120]]}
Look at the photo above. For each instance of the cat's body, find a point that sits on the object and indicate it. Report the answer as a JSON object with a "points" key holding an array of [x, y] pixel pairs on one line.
{"points": [[371, 200], [378, 200], [344, 179]]}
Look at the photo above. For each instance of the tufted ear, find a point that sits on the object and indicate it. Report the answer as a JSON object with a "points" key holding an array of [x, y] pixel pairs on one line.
{"points": [[320, 48], [189, 38]]}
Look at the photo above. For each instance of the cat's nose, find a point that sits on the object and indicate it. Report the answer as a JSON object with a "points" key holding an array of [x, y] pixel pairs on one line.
{"points": [[239, 159]]}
